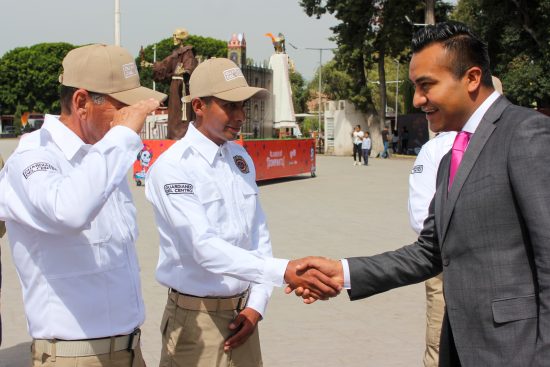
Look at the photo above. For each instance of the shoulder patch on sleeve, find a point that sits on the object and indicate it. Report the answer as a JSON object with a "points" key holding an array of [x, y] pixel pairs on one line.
{"points": [[38, 166], [241, 164], [417, 169], [178, 188]]}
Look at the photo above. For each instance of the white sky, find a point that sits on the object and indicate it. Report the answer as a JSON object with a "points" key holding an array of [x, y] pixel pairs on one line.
{"points": [[143, 22]]}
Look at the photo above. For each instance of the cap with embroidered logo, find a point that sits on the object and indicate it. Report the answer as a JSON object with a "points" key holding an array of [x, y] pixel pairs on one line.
{"points": [[106, 69], [221, 78]]}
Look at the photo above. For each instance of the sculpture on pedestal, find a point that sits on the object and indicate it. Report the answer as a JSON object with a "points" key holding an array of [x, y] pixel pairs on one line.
{"points": [[177, 67]]}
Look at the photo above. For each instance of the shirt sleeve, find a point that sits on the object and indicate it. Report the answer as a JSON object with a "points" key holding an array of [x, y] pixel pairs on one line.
{"points": [[421, 187], [36, 191], [187, 223]]}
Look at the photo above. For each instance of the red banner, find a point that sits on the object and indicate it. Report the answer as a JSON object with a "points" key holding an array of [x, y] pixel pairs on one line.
{"points": [[281, 158], [272, 158], [152, 149]]}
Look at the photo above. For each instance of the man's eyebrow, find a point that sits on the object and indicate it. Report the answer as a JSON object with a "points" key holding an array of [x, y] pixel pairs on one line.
{"points": [[422, 79]]}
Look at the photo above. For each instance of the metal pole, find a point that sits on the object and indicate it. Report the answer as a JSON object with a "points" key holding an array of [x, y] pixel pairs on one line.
{"points": [[320, 79], [320, 86], [154, 61], [117, 22]]}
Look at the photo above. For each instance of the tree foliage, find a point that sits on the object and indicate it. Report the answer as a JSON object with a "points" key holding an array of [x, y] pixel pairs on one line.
{"points": [[300, 94], [517, 32], [204, 47], [368, 32], [29, 78]]}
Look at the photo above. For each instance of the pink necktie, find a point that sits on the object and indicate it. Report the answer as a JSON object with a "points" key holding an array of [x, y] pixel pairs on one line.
{"points": [[459, 147]]}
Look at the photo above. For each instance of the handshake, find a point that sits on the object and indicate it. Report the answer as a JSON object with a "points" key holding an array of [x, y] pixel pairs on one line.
{"points": [[314, 278]]}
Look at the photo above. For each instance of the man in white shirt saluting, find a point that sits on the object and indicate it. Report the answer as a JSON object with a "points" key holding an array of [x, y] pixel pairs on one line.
{"points": [[215, 248], [70, 216]]}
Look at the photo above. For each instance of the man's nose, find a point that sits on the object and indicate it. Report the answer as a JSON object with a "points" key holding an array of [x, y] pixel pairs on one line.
{"points": [[419, 99], [239, 115]]}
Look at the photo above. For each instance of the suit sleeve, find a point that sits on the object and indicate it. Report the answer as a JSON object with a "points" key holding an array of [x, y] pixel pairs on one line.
{"points": [[530, 177], [408, 265]]}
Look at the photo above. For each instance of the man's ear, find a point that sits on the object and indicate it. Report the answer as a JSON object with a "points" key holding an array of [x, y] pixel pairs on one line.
{"points": [[79, 103], [473, 77], [198, 106]]}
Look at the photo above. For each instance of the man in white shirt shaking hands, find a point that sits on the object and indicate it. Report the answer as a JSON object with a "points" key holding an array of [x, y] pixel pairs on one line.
{"points": [[215, 248]]}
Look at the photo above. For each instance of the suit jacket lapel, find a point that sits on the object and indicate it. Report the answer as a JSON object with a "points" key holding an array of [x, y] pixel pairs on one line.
{"points": [[477, 142]]}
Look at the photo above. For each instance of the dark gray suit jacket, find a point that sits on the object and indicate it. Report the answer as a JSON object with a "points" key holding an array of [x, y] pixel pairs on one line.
{"points": [[490, 235]]}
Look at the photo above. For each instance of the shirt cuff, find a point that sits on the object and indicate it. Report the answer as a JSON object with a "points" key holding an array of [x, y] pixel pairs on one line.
{"points": [[345, 268], [120, 136], [259, 297], [274, 272]]}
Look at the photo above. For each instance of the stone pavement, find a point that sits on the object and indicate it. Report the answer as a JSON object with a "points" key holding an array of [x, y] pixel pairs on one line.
{"points": [[344, 211]]}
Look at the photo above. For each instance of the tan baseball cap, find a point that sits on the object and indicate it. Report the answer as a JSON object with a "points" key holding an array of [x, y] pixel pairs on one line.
{"points": [[106, 69], [221, 78]]}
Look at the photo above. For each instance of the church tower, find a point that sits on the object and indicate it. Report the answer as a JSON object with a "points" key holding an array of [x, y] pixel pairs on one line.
{"points": [[236, 49]]}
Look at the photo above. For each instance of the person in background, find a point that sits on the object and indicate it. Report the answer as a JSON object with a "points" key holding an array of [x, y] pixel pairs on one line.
{"points": [[365, 148], [357, 138], [386, 142], [394, 141], [2, 233]]}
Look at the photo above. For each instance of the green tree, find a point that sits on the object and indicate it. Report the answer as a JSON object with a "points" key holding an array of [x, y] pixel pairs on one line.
{"points": [[204, 47], [300, 93], [337, 84], [368, 32], [29, 78], [517, 33]]}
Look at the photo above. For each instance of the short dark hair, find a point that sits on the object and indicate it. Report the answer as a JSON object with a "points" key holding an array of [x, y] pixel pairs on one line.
{"points": [[466, 48], [66, 97]]}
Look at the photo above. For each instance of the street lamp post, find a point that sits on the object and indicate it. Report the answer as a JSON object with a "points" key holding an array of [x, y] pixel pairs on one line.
{"points": [[154, 61], [320, 79], [117, 22]]}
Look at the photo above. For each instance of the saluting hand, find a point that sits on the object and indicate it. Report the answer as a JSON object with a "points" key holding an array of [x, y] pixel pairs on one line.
{"points": [[134, 116]]}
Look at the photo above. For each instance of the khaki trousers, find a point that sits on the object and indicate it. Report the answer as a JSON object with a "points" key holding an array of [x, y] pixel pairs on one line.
{"points": [[195, 338], [435, 309], [121, 358]]}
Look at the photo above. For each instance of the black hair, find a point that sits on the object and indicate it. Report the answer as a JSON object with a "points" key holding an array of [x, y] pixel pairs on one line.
{"points": [[465, 48], [66, 97]]}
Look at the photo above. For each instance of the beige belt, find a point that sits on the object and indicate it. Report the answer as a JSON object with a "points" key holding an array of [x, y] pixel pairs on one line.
{"points": [[89, 347], [193, 303]]}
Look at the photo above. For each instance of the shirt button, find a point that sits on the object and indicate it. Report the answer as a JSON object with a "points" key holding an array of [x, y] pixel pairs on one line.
{"points": [[446, 261]]}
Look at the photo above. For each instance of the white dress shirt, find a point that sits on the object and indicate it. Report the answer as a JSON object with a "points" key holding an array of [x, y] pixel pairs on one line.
{"points": [[433, 155], [214, 240], [71, 227], [423, 177]]}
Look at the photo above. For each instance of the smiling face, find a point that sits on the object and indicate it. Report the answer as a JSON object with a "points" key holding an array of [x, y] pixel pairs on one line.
{"points": [[219, 120], [446, 99]]}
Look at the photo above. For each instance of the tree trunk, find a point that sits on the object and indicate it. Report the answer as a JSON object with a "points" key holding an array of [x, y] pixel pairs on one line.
{"points": [[382, 88], [429, 14]]}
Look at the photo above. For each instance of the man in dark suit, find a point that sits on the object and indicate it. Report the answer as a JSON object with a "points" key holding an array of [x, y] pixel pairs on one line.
{"points": [[488, 229]]}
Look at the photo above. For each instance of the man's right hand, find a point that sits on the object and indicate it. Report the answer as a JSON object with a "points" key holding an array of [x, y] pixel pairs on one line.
{"points": [[304, 274], [328, 267], [134, 116]]}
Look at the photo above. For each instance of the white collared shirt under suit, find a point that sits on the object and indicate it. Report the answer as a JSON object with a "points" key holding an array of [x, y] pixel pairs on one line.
{"points": [[72, 231], [214, 240]]}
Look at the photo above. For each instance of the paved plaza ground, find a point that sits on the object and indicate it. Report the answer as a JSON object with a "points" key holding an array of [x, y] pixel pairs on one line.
{"points": [[345, 211]]}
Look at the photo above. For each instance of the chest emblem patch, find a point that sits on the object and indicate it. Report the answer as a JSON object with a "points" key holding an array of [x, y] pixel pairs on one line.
{"points": [[241, 164]]}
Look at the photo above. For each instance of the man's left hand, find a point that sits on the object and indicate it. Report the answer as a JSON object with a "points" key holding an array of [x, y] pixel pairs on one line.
{"points": [[242, 327]]}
